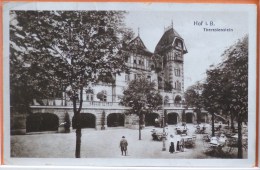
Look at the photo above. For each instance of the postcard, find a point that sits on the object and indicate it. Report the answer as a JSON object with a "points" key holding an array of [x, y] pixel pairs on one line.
{"points": [[129, 84]]}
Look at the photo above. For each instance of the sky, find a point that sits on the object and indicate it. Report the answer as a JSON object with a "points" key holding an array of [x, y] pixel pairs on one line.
{"points": [[204, 48]]}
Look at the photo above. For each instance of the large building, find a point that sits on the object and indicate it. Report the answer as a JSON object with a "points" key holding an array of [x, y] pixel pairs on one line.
{"points": [[101, 100]]}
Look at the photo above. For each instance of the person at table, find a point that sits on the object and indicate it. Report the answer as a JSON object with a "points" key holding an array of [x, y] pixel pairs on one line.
{"points": [[154, 134]]}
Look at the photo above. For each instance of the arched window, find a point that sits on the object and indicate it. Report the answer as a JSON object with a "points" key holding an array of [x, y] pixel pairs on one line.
{"points": [[166, 99]]}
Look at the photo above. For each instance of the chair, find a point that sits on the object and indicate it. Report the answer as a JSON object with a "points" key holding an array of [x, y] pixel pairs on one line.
{"points": [[206, 137], [179, 132], [184, 132]]}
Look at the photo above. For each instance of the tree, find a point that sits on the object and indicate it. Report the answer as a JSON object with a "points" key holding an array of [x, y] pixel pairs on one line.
{"points": [[142, 97], [212, 94], [226, 87], [235, 67], [193, 98], [73, 48]]}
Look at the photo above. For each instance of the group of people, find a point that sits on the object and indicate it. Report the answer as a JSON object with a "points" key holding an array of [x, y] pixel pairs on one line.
{"points": [[176, 144]]}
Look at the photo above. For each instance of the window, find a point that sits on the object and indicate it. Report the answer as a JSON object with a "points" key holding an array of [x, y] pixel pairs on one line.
{"points": [[135, 76], [149, 78], [134, 61], [177, 55], [105, 97], [177, 72], [127, 77], [179, 44], [177, 85], [89, 94]]}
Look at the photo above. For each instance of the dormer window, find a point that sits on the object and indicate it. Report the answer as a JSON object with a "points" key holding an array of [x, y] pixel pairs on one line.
{"points": [[179, 44]]}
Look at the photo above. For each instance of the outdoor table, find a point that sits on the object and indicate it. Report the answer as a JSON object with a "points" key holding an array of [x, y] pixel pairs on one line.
{"points": [[181, 131], [236, 136], [216, 146], [200, 129], [188, 141], [157, 136]]}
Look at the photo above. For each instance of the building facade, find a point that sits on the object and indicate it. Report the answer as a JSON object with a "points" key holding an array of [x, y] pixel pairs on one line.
{"points": [[101, 100]]}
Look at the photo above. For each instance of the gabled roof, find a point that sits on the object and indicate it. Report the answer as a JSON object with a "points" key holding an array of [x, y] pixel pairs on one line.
{"points": [[167, 41], [137, 46]]}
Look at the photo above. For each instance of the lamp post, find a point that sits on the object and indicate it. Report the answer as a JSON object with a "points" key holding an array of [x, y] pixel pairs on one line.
{"points": [[143, 103], [163, 118]]}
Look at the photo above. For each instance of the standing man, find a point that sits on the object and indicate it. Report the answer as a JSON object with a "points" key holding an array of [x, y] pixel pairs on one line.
{"points": [[123, 145]]}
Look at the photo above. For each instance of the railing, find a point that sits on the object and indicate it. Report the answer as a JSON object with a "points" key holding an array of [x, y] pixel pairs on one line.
{"points": [[138, 66], [60, 102], [178, 59], [179, 105]]}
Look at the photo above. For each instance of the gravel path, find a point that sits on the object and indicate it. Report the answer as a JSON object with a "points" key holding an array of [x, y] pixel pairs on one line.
{"points": [[101, 144]]}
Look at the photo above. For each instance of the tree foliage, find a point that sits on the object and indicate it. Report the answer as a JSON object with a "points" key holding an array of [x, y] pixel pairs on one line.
{"points": [[193, 96], [72, 49], [226, 86], [142, 97]]}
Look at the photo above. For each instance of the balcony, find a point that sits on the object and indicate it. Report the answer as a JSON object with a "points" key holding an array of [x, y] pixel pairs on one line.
{"points": [[138, 66], [63, 103], [55, 103], [174, 105]]}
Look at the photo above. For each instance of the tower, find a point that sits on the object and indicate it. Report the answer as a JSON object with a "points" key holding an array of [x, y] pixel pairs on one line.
{"points": [[169, 53]]}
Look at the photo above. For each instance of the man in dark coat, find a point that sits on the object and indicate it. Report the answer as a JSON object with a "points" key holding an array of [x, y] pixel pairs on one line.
{"points": [[123, 145]]}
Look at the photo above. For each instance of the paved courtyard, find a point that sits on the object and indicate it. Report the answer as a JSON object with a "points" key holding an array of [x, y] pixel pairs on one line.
{"points": [[102, 144]]}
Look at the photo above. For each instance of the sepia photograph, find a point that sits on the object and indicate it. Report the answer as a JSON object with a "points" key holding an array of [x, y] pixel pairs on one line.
{"points": [[130, 81]]}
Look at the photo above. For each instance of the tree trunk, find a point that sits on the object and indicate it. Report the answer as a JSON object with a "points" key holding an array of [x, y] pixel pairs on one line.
{"points": [[212, 121], [239, 141], [78, 142], [77, 121], [140, 124]]}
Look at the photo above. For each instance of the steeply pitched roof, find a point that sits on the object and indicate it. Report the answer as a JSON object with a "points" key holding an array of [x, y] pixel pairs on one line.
{"points": [[167, 41], [137, 46]]}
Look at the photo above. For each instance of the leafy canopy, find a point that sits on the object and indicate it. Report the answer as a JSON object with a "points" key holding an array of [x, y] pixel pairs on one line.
{"points": [[141, 94], [50, 50]]}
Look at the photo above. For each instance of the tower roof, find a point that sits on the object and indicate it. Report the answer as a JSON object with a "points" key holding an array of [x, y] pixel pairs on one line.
{"points": [[167, 41], [137, 46]]}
